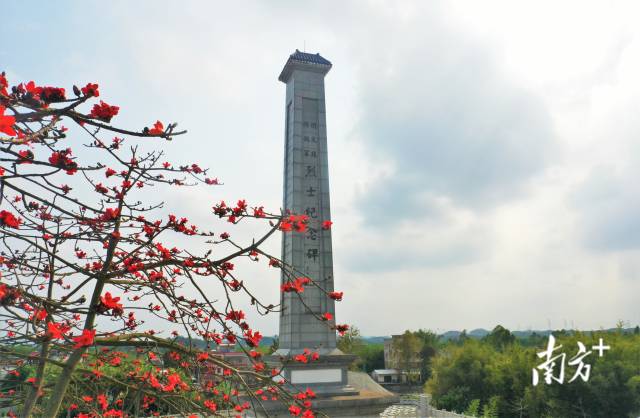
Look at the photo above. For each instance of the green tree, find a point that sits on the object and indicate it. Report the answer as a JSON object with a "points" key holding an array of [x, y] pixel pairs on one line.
{"points": [[408, 348], [430, 342], [351, 341], [500, 337]]}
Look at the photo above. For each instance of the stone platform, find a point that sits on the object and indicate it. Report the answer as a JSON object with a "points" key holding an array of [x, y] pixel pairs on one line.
{"points": [[371, 400]]}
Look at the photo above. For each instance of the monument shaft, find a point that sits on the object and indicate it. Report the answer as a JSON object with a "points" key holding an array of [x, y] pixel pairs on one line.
{"points": [[306, 191]]}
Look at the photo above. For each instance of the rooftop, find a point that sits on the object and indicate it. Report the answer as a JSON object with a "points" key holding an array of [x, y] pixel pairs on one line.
{"points": [[306, 61]]}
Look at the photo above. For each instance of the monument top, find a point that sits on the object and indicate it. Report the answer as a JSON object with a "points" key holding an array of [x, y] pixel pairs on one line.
{"points": [[304, 61]]}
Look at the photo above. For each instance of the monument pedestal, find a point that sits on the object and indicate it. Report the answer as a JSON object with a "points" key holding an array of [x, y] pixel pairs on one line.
{"points": [[327, 376], [371, 400]]}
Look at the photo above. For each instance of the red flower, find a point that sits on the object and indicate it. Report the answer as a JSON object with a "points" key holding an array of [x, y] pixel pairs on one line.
{"points": [[286, 226], [295, 410], [235, 316], [107, 302], [84, 340], [326, 225], [101, 189], [327, 316], [296, 286], [51, 94], [110, 214], [211, 405], [336, 296], [39, 314], [26, 157], [110, 172], [3, 85], [252, 338], [61, 160], [90, 89], [301, 358], [57, 331], [158, 128], [6, 123], [342, 328], [8, 219], [103, 111], [102, 400]]}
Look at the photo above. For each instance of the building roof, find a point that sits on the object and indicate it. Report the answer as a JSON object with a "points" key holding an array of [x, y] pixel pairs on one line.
{"points": [[387, 371], [312, 58], [307, 61]]}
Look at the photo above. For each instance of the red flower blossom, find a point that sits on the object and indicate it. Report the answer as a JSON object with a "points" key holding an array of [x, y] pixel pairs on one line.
{"points": [[6, 123], [107, 302], [235, 316], [61, 160], [210, 405], [295, 410], [110, 172], [86, 339], [8, 219], [57, 331], [336, 296], [327, 316], [51, 94], [301, 358], [3, 84], [26, 157], [90, 90], [158, 128], [252, 338], [110, 214], [102, 400], [326, 225], [286, 226], [342, 328], [103, 111]]}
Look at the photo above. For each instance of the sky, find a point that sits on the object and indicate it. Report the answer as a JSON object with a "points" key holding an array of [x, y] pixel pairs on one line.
{"points": [[483, 155]]}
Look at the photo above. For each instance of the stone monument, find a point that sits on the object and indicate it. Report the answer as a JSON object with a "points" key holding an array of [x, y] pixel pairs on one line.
{"points": [[306, 191]]}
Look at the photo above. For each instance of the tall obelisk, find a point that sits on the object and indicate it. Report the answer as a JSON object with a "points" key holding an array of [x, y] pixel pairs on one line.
{"points": [[306, 191]]}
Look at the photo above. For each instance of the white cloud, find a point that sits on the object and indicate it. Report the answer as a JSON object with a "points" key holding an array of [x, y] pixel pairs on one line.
{"points": [[529, 159]]}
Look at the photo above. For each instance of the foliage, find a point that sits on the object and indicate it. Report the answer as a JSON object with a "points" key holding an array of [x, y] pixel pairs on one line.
{"points": [[88, 257], [369, 356], [494, 376]]}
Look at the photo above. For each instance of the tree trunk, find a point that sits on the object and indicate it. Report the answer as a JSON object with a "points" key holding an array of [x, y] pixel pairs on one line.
{"points": [[34, 394]]}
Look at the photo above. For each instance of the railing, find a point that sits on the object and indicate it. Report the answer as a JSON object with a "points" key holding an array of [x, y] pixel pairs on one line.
{"points": [[423, 404]]}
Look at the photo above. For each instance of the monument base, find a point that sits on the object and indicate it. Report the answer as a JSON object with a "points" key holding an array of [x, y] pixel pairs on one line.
{"points": [[327, 376], [371, 400]]}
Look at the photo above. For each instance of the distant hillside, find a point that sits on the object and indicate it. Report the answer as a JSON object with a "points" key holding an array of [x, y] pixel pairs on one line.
{"points": [[374, 340], [200, 343], [477, 333], [480, 333]]}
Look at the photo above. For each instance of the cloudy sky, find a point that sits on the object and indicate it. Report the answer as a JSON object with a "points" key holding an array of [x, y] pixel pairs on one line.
{"points": [[484, 156]]}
